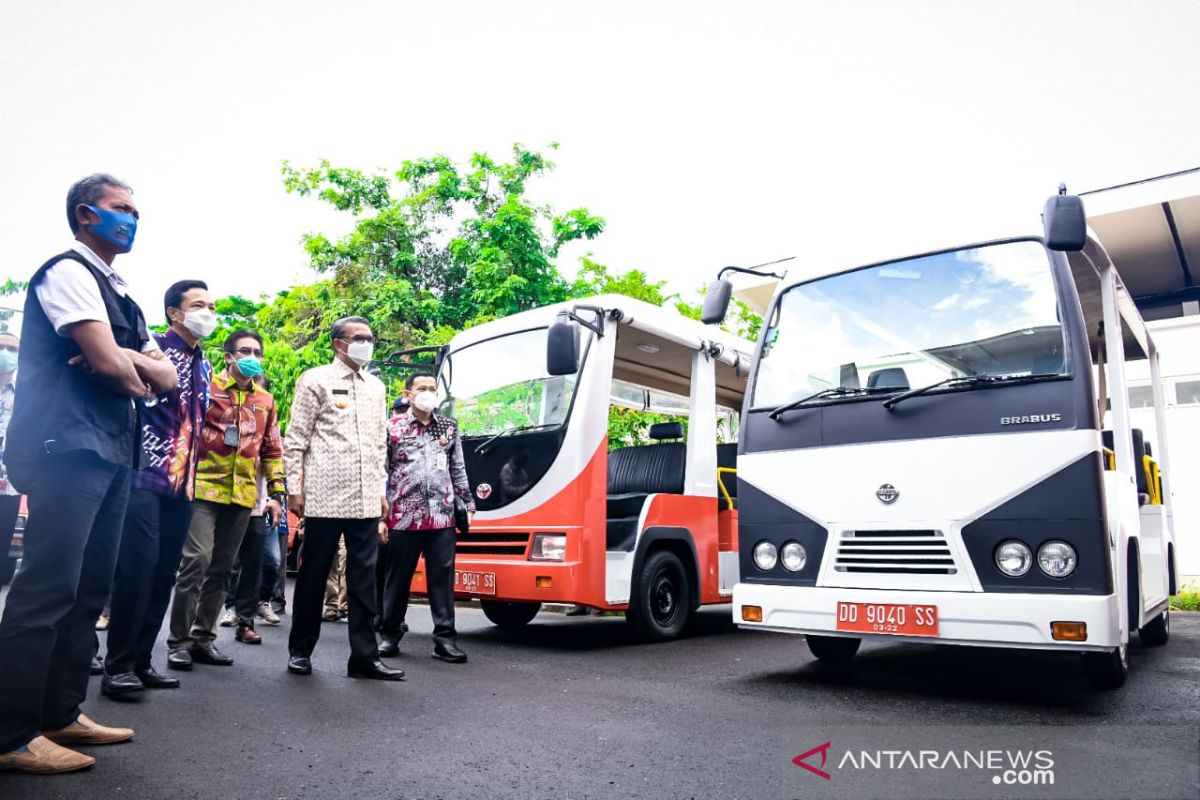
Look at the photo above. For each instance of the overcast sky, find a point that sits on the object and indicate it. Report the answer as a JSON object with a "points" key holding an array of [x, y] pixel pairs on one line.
{"points": [[705, 133]]}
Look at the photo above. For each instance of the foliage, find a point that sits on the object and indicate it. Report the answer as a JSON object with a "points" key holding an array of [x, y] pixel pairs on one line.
{"points": [[1186, 600], [437, 246], [10, 287]]}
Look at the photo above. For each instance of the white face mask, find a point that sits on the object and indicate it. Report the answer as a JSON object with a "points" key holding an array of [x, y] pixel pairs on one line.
{"points": [[360, 352], [425, 401], [200, 323]]}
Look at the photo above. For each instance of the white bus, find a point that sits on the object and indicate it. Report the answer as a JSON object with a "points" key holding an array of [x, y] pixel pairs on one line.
{"points": [[922, 455]]}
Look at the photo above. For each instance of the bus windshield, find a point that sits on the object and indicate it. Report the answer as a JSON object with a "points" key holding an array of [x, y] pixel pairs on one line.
{"points": [[501, 384], [987, 311]]}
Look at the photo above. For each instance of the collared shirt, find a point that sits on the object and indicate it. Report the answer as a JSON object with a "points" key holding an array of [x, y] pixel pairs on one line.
{"points": [[228, 473], [69, 294], [7, 393], [425, 472], [171, 424], [336, 450]]}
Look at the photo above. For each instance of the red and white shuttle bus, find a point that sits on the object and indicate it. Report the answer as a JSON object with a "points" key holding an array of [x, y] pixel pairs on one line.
{"points": [[648, 529]]}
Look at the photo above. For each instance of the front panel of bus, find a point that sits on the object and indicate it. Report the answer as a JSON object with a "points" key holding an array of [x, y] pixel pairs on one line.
{"points": [[924, 431]]}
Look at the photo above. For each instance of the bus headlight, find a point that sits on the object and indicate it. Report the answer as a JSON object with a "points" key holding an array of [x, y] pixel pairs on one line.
{"points": [[1014, 558], [548, 547], [1057, 559], [765, 556], [793, 556]]}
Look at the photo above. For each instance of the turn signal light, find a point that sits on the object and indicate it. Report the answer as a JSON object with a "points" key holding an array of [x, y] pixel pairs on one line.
{"points": [[544, 582], [1068, 631], [751, 613]]}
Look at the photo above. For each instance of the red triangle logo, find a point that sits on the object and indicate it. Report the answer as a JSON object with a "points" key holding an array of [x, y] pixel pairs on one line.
{"points": [[823, 749]]}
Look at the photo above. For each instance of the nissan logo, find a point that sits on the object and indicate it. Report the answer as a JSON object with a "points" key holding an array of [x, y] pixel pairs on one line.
{"points": [[887, 493]]}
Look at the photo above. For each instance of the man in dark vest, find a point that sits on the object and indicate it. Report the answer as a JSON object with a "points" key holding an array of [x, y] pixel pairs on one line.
{"points": [[70, 449]]}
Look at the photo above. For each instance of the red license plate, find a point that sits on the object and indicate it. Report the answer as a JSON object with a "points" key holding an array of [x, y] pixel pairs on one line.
{"points": [[890, 618], [474, 582]]}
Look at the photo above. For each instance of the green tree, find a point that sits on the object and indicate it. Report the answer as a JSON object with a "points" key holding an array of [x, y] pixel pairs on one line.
{"points": [[8, 289]]}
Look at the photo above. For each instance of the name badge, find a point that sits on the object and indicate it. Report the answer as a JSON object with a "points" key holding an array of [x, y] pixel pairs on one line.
{"points": [[232, 436]]}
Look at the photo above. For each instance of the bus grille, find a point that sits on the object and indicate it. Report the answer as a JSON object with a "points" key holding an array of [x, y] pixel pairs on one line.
{"points": [[493, 544], [895, 552]]}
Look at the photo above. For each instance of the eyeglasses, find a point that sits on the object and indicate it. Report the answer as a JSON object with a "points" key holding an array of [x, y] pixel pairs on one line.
{"points": [[359, 339], [11, 348], [249, 351]]}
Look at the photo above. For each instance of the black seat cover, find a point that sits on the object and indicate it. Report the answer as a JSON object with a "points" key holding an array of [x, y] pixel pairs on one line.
{"points": [[633, 474], [727, 457], [648, 469]]}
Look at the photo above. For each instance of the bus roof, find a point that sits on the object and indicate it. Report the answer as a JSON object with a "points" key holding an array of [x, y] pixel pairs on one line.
{"points": [[658, 321]]}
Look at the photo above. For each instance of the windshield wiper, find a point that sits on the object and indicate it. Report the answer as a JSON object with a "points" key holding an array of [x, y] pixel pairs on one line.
{"points": [[970, 380], [835, 391], [510, 431]]}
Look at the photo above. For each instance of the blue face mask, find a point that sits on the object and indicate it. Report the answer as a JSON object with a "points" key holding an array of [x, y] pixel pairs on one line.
{"points": [[115, 227], [8, 361], [250, 367]]}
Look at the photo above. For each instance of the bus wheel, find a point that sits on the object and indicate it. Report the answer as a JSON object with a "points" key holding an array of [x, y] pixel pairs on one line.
{"points": [[659, 607], [1158, 630], [1107, 670], [508, 615], [834, 649]]}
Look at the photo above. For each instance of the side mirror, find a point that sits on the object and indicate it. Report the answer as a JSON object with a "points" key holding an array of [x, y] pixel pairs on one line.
{"points": [[716, 302], [562, 347], [1065, 222]]}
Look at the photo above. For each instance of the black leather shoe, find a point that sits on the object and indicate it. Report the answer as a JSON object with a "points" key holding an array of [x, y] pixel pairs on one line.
{"points": [[153, 679], [121, 684], [97, 665], [376, 670], [179, 659], [299, 665], [449, 653], [210, 655], [389, 646]]}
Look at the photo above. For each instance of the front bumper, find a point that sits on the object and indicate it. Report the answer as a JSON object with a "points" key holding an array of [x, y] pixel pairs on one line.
{"points": [[965, 618]]}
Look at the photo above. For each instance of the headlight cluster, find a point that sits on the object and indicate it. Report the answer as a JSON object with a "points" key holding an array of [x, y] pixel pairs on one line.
{"points": [[793, 555], [1056, 559]]}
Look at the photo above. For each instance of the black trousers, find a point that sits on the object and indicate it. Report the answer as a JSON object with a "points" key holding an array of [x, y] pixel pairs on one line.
{"points": [[403, 550], [320, 548], [10, 507], [151, 545], [76, 510], [249, 571]]}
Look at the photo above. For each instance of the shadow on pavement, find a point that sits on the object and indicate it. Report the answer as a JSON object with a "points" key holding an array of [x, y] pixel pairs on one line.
{"points": [[556, 632], [1015, 678]]}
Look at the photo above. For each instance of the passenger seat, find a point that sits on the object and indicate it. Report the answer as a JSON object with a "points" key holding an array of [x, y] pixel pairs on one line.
{"points": [[634, 473], [889, 378]]}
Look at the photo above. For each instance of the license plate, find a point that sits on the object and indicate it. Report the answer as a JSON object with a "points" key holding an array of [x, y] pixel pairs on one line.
{"points": [[474, 582], [889, 618]]}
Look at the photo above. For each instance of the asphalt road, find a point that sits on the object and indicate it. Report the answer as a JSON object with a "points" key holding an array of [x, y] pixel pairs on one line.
{"points": [[569, 708]]}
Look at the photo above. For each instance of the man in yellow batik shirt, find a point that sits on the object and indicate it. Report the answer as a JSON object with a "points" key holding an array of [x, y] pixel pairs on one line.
{"points": [[240, 430]]}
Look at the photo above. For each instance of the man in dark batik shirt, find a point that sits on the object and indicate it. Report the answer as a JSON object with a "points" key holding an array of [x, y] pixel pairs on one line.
{"points": [[160, 503], [425, 474]]}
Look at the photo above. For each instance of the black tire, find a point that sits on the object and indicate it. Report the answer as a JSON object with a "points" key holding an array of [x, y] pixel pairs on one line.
{"points": [[661, 601], [510, 616], [832, 649], [1107, 670], [1157, 631]]}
